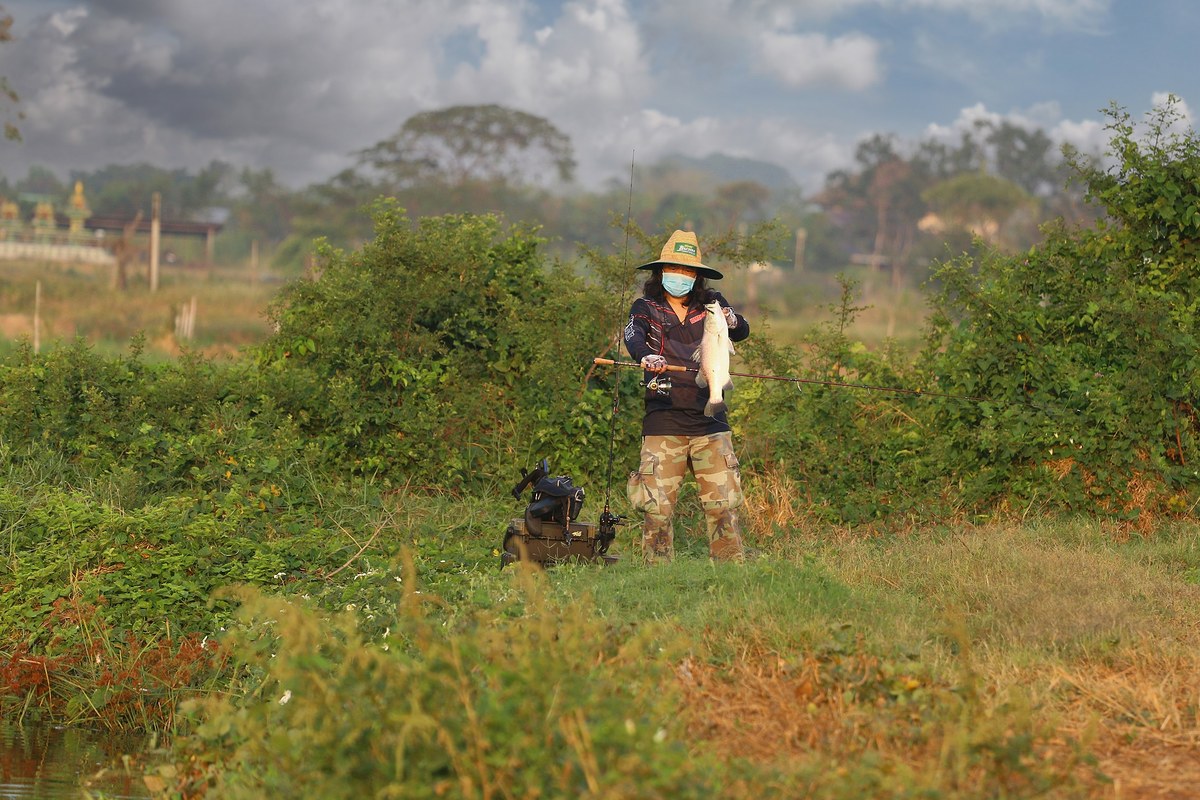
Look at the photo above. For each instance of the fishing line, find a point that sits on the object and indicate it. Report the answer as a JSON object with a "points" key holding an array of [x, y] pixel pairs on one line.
{"points": [[838, 384]]}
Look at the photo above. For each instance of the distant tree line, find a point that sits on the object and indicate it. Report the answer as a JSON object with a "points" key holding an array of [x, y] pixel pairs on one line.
{"points": [[897, 206]]}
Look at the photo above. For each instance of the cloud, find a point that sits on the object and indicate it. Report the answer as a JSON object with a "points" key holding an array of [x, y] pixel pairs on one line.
{"points": [[299, 85], [807, 155], [1088, 136], [813, 60], [1084, 15]]}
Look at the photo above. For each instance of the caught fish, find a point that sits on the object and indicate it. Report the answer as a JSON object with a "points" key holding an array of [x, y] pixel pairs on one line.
{"points": [[713, 357]]}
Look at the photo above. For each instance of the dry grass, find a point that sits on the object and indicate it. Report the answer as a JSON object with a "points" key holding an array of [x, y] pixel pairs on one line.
{"points": [[81, 300], [1096, 626]]}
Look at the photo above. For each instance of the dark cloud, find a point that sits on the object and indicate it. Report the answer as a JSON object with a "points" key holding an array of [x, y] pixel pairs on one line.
{"points": [[299, 85]]}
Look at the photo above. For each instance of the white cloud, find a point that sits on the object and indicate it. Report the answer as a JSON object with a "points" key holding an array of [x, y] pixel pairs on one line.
{"points": [[1089, 15], [585, 73], [807, 155], [1089, 136], [814, 60]]}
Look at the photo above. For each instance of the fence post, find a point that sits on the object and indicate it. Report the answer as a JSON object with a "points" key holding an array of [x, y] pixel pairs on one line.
{"points": [[155, 237]]}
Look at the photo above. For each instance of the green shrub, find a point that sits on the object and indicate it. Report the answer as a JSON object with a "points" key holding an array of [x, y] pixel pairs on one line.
{"points": [[532, 704]]}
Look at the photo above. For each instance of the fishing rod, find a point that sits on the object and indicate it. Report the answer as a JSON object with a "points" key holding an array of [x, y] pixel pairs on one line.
{"points": [[841, 384], [609, 520]]}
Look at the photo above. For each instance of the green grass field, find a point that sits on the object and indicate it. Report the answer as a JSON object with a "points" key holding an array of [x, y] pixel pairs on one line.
{"points": [[1037, 658]]}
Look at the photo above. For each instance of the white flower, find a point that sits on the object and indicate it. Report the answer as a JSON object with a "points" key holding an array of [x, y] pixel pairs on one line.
{"points": [[287, 695], [660, 736]]}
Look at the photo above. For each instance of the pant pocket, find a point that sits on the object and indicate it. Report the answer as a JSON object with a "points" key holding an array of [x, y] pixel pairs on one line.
{"points": [[641, 489], [733, 476]]}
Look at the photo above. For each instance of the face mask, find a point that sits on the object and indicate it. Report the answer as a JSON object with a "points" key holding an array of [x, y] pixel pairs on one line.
{"points": [[677, 285]]}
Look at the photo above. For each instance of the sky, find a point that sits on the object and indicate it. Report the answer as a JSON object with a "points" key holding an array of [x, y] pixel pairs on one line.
{"points": [[298, 86]]}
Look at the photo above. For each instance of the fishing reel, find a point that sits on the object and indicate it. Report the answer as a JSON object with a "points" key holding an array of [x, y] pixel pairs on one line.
{"points": [[659, 384]]}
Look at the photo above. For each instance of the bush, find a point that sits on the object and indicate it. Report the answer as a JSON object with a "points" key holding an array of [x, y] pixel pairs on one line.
{"points": [[1085, 347]]}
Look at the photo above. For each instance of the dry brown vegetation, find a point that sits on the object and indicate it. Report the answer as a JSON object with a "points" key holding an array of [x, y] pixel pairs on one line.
{"points": [[1093, 630], [80, 300]]}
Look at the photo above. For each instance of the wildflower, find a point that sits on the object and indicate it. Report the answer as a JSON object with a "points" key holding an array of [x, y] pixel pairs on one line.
{"points": [[287, 695], [660, 736]]}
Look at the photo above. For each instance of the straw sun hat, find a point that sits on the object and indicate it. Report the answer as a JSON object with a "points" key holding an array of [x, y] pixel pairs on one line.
{"points": [[683, 249]]}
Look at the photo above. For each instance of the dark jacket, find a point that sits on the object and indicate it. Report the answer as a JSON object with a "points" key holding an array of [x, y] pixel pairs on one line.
{"points": [[654, 328]]}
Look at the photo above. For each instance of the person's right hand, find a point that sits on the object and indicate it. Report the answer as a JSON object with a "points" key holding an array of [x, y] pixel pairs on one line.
{"points": [[654, 363]]}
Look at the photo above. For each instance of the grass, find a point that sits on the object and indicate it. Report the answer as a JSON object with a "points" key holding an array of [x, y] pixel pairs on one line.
{"points": [[80, 300], [1038, 657], [1043, 657]]}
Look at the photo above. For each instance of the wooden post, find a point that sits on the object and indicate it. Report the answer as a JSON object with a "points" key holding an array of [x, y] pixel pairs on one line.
{"points": [[37, 318], [801, 240], [155, 238]]}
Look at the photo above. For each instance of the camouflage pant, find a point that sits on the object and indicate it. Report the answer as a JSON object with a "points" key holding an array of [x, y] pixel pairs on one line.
{"points": [[654, 488]]}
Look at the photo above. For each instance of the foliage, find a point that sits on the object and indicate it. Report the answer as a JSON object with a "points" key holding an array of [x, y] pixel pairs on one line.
{"points": [[488, 143], [123, 190], [134, 494], [538, 690], [1084, 348], [11, 131], [443, 352], [535, 704], [857, 453]]}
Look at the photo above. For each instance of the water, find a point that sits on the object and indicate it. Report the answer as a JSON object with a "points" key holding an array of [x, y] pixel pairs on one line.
{"points": [[48, 762]]}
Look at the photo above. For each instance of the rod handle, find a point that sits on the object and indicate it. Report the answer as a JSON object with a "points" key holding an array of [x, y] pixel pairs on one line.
{"points": [[608, 362]]}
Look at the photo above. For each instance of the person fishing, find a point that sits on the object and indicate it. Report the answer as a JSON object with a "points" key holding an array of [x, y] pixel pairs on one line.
{"points": [[669, 326]]}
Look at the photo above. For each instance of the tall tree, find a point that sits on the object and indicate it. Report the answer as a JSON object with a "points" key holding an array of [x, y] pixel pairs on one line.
{"points": [[465, 144], [1027, 158], [981, 204]]}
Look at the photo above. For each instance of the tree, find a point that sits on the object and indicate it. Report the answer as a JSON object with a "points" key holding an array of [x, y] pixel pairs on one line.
{"points": [[880, 204], [11, 131], [41, 182], [124, 189], [978, 203], [1086, 345], [466, 144]]}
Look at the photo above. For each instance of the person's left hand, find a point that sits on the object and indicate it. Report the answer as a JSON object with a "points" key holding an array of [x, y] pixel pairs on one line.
{"points": [[730, 317]]}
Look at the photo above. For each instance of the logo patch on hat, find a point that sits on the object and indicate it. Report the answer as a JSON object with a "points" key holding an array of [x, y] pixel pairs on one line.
{"points": [[685, 247]]}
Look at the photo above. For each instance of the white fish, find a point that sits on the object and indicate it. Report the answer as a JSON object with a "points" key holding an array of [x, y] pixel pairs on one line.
{"points": [[713, 357]]}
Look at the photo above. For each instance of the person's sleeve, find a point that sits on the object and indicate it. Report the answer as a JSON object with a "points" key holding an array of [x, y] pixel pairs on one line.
{"points": [[637, 330]]}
